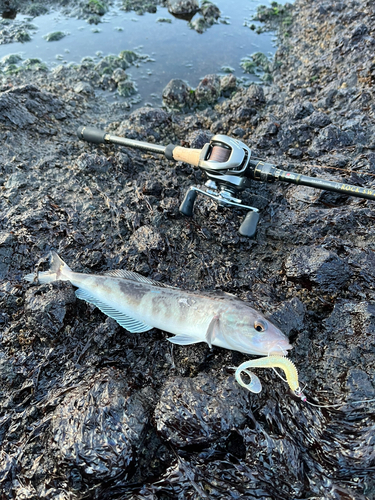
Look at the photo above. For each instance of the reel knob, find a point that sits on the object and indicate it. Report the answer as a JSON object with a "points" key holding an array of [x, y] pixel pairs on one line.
{"points": [[249, 225], [187, 205]]}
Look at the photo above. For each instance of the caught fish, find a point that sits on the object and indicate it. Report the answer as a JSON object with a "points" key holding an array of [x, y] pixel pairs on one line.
{"points": [[139, 304]]}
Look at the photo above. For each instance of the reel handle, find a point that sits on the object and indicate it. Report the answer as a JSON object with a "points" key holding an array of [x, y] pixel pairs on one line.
{"points": [[249, 225], [187, 205]]}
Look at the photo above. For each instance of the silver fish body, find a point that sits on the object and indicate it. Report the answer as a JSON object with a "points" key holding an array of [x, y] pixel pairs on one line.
{"points": [[139, 304]]}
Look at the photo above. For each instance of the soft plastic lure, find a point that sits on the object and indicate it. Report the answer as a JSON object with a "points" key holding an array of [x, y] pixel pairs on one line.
{"points": [[285, 364]]}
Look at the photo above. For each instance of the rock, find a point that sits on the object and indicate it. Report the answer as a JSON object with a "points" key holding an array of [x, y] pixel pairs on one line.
{"points": [[183, 7], [293, 134], [256, 94], [199, 410], [55, 36], [198, 138], [289, 316], [318, 267], [145, 122], [244, 113], [330, 138], [47, 309], [209, 10], [83, 88], [145, 239], [208, 90], [318, 119], [7, 241], [199, 24], [94, 163], [178, 95], [24, 106], [127, 88], [301, 110], [98, 425], [228, 84], [119, 75]]}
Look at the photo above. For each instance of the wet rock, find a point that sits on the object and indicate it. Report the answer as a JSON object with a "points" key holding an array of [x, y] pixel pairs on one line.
{"points": [[98, 425], [318, 120], [96, 7], [209, 10], [119, 75], [48, 307], [7, 241], [94, 163], [145, 122], [208, 90], [289, 316], [256, 94], [301, 110], [37, 9], [140, 6], [183, 7], [55, 36], [199, 24], [228, 84], [194, 411], [178, 94], [293, 135], [198, 138], [318, 266], [145, 239], [83, 87], [330, 138], [127, 88]]}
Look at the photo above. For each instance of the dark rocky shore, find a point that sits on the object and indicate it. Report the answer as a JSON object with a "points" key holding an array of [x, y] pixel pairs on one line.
{"points": [[88, 410]]}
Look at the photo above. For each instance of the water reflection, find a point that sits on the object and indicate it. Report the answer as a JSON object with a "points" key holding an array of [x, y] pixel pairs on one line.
{"points": [[9, 14]]}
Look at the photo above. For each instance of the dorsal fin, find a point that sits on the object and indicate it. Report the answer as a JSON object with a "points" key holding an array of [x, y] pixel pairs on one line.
{"points": [[131, 275]]}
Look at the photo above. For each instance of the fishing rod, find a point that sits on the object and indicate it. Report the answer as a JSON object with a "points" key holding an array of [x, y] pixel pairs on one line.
{"points": [[230, 168]]}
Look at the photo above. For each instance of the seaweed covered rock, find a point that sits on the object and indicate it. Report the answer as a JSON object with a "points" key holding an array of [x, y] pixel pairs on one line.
{"points": [[208, 90], [200, 410], [178, 94], [98, 425], [318, 266], [183, 7]]}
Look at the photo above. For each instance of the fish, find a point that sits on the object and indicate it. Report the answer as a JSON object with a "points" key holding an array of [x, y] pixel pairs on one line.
{"points": [[139, 304]]}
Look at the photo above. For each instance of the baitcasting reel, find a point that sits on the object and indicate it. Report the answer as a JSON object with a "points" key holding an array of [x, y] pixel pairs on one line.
{"points": [[229, 167]]}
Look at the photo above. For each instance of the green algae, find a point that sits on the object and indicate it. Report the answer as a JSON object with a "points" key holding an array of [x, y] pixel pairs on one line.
{"points": [[97, 7], [54, 36], [23, 36], [11, 59], [126, 88]]}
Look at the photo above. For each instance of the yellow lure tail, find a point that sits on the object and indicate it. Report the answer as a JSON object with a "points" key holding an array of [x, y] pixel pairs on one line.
{"points": [[285, 364]]}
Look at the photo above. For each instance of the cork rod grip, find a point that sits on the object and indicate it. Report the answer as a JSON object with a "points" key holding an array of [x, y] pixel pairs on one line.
{"points": [[187, 155]]}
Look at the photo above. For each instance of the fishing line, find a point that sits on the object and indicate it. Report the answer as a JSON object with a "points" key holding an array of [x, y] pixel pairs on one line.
{"points": [[340, 404], [342, 170]]}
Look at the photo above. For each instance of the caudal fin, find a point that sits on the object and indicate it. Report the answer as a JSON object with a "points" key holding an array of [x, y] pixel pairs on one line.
{"points": [[57, 271]]}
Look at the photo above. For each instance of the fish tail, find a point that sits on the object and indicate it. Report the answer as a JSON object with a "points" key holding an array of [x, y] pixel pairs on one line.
{"points": [[58, 271]]}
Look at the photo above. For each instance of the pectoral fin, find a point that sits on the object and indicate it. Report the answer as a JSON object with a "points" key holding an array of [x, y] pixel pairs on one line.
{"points": [[212, 330], [184, 340]]}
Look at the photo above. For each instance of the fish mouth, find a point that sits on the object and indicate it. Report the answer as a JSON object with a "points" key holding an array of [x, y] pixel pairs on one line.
{"points": [[277, 346]]}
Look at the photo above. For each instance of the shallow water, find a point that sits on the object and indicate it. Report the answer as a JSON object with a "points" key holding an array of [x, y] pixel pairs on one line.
{"points": [[177, 51]]}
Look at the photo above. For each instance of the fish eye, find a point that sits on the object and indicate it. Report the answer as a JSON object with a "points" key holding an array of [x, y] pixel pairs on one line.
{"points": [[260, 326]]}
